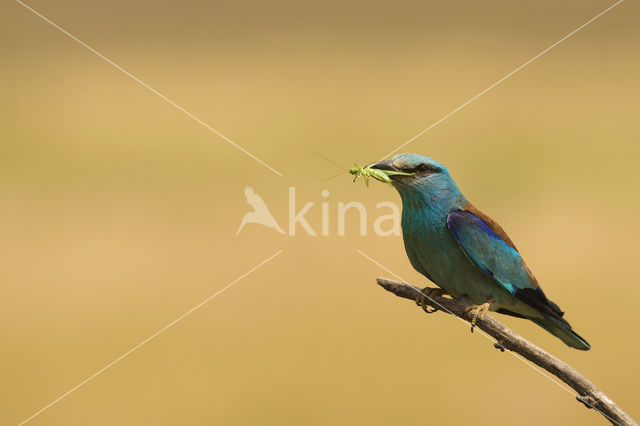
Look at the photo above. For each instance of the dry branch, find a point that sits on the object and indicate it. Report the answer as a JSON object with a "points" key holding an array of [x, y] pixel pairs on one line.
{"points": [[588, 393]]}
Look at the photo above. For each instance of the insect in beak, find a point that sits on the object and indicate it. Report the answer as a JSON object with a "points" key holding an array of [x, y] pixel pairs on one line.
{"points": [[383, 174]]}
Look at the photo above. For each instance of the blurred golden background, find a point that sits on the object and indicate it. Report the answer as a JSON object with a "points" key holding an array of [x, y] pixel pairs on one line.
{"points": [[118, 212]]}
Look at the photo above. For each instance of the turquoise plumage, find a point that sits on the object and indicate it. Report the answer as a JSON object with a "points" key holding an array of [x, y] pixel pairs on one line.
{"points": [[464, 251]]}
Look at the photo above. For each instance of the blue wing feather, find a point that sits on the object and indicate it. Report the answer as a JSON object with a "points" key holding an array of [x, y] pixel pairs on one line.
{"points": [[488, 251]]}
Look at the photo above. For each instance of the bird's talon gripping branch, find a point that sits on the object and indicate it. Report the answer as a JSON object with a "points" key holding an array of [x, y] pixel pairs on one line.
{"points": [[466, 312], [422, 301], [426, 295], [478, 312]]}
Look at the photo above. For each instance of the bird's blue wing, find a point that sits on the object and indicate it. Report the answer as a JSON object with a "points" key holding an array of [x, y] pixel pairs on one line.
{"points": [[493, 255], [491, 250]]}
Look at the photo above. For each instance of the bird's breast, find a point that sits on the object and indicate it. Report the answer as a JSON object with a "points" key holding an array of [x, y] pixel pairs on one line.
{"points": [[434, 252]]}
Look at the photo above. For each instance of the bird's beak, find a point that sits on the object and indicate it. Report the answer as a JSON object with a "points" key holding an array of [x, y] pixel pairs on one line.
{"points": [[390, 170], [386, 166]]}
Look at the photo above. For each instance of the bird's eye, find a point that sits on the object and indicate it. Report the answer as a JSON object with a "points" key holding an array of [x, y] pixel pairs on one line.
{"points": [[422, 168]]}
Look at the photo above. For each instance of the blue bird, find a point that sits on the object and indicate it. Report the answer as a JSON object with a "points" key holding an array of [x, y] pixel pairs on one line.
{"points": [[464, 251]]}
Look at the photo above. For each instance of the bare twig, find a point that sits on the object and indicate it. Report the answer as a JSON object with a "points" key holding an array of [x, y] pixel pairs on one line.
{"points": [[588, 393]]}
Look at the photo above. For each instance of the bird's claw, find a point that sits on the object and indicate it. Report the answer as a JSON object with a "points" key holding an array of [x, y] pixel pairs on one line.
{"points": [[480, 312], [426, 295]]}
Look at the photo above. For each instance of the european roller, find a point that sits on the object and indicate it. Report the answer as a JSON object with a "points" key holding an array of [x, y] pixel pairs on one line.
{"points": [[464, 251]]}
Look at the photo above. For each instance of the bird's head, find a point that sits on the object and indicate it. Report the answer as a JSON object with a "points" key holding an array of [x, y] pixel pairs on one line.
{"points": [[421, 176], [418, 170]]}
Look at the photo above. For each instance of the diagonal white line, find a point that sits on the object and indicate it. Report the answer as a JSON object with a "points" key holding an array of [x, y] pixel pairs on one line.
{"points": [[103, 369], [148, 87], [502, 79], [534, 367]]}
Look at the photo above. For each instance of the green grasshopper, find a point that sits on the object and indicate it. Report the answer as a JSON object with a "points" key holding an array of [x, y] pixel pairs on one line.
{"points": [[382, 175], [366, 172]]}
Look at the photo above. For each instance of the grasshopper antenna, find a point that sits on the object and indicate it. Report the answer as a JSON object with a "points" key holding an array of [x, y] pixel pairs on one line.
{"points": [[330, 161]]}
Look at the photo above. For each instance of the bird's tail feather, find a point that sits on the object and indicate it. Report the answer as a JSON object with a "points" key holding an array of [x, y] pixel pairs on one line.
{"points": [[562, 330]]}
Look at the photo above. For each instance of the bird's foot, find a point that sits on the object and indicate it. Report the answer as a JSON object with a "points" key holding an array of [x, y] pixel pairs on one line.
{"points": [[480, 312], [426, 295]]}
